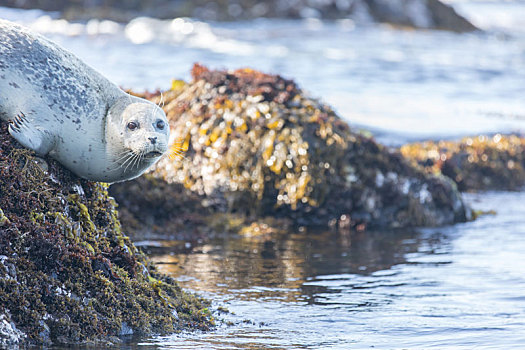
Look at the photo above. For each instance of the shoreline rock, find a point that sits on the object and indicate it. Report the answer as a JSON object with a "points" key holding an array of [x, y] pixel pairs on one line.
{"points": [[423, 14], [257, 147], [480, 163], [68, 275]]}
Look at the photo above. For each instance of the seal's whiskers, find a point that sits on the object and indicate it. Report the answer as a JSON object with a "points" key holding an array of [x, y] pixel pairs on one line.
{"points": [[119, 161], [127, 162], [122, 158], [161, 101], [131, 158], [138, 158], [176, 151]]}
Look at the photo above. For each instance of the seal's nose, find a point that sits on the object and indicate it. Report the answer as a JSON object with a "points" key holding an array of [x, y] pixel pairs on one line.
{"points": [[153, 140]]}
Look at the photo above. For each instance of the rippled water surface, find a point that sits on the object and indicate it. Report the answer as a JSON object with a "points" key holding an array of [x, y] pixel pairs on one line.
{"points": [[460, 287]]}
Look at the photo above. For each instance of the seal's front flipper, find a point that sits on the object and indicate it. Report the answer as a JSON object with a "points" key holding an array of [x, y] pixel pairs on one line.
{"points": [[30, 136]]}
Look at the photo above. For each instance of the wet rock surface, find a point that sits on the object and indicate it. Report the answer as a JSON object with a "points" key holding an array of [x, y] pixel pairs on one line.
{"points": [[480, 163], [68, 274], [150, 208], [256, 146], [428, 14]]}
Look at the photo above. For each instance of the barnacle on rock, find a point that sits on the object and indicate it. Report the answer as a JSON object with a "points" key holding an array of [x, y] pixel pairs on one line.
{"points": [[256, 145], [482, 162]]}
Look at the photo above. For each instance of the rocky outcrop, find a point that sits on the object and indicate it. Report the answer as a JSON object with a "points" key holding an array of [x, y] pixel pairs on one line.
{"points": [[257, 146], [477, 163], [68, 274], [428, 14]]}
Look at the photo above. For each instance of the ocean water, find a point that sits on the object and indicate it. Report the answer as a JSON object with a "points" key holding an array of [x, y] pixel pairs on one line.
{"points": [[458, 287], [402, 85]]}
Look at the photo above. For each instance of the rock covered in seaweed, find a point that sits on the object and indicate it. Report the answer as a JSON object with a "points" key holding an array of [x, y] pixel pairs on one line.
{"points": [[475, 163], [257, 146], [67, 272]]}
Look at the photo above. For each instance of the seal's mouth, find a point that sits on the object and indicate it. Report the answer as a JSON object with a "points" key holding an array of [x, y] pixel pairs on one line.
{"points": [[153, 154]]}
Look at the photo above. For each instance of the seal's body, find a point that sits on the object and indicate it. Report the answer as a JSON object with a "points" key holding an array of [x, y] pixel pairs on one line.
{"points": [[58, 105]]}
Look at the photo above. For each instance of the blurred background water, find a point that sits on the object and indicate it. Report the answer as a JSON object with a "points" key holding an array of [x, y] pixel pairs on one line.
{"points": [[402, 84], [457, 287]]}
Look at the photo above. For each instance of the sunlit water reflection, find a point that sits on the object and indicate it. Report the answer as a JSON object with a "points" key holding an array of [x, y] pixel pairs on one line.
{"points": [[459, 287]]}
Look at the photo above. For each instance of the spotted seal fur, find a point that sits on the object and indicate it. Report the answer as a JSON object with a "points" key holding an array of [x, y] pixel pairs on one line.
{"points": [[59, 106]]}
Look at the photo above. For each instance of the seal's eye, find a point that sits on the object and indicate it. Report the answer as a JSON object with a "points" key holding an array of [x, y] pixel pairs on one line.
{"points": [[160, 125], [132, 125]]}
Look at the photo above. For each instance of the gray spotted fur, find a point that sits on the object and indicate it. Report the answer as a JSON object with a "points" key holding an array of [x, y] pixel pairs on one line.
{"points": [[60, 106]]}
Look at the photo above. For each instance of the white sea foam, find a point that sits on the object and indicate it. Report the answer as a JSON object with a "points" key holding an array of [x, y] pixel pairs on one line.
{"points": [[25, 16], [179, 31], [50, 23]]}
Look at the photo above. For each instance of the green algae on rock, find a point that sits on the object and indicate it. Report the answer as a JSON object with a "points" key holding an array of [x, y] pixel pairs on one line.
{"points": [[483, 162], [257, 146], [67, 272]]}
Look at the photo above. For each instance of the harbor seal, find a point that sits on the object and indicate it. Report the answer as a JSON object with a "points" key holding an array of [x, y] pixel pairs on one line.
{"points": [[59, 106]]}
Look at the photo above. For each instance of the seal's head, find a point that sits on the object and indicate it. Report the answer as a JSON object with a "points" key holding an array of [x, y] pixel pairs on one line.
{"points": [[137, 134]]}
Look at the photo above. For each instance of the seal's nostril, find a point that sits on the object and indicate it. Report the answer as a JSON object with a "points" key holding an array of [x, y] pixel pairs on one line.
{"points": [[153, 140]]}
